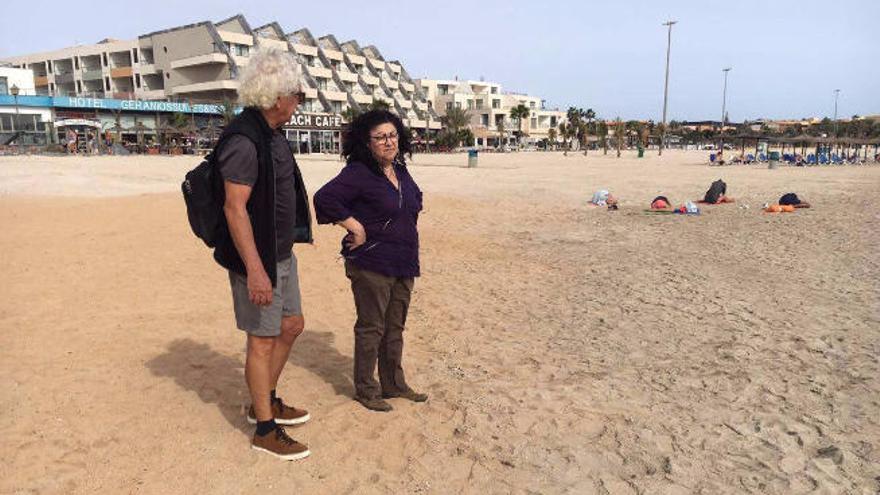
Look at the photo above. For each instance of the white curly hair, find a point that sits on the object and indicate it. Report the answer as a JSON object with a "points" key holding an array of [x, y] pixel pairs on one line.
{"points": [[269, 74]]}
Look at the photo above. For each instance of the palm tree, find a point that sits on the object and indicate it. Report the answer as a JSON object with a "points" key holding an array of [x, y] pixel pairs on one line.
{"points": [[589, 116], [603, 135], [551, 137], [565, 133], [519, 112], [379, 105], [456, 118], [350, 113], [500, 128], [619, 131], [574, 116]]}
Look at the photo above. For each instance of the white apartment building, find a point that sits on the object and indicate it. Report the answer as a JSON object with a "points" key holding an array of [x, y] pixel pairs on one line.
{"points": [[488, 106], [198, 63]]}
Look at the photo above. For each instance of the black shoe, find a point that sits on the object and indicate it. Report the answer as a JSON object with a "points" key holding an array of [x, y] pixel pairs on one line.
{"points": [[409, 394], [374, 404]]}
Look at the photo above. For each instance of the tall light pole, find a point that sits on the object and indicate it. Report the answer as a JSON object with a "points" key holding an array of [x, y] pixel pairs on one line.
{"points": [[669, 24], [836, 96], [723, 107]]}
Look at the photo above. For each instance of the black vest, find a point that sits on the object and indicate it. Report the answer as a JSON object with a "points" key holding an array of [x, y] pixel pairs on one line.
{"points": [[251, 124]]}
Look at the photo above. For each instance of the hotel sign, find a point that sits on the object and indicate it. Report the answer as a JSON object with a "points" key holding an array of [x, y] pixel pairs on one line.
{"points": [[134, 105], [328, 121]]}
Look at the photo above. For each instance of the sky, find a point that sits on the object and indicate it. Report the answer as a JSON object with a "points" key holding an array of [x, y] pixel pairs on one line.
{"points": [[786, 57]]}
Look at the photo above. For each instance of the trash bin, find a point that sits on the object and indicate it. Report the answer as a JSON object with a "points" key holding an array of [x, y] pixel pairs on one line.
{"points": [[641, 151], [472, 158], [774, 156]]}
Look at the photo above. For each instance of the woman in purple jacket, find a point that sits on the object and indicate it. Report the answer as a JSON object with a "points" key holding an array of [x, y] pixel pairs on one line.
{"points": [[378, 203]]}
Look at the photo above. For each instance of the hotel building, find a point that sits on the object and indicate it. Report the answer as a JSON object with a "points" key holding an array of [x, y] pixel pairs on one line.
{"points": [[489, 106], [191, 69]]}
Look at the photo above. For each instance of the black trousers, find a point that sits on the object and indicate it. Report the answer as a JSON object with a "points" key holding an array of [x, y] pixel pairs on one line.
{"points": [[382, 303]]}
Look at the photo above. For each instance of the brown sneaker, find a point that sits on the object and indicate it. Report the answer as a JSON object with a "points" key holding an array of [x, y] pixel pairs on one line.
{"points": [[407, 394], [280, 445], [284, 414], [374, 404]]}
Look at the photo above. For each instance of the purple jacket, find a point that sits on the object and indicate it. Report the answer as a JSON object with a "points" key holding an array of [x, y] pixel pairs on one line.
{"points": [[389, 216]]}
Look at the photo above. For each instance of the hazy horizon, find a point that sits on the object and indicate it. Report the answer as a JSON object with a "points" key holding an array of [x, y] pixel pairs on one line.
{"points": [[787, 57]]}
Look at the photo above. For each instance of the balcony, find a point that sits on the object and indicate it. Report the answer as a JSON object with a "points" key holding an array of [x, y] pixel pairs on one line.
{"points": [[320, 72], [65, 78], [356, 59], [152, 94], [41, 80], [391, 83], [311, 93], [273, 44], [205, 86], [333, 55], [362, 98], [404, 103], [210, 58], [408, 87], [376, 63], [334, 95], [347, 76], [121, 72], [147, 68], [306, 50], [421, 105], [237, 38], [394, 67], [417, 123], [371, 80], [92, 75]]}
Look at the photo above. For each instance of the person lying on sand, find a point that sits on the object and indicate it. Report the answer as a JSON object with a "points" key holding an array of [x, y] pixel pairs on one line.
{"points": [[660, 203], [793, 200], [717, 194], [604, 198]]}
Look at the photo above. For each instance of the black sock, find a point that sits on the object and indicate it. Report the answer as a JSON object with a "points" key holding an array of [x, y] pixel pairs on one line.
{"points": [[266, 427], [274, 397]]}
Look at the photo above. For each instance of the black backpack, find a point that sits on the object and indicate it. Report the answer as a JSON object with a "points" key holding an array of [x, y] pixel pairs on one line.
{"points": [[716, 190], [204, 202]]}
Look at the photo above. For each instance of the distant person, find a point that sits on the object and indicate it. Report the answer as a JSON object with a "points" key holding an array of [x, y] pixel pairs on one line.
{"points": [[378, 203], [90, 143], [266, 210], [71, 141], [717, 194], [792, 199]]}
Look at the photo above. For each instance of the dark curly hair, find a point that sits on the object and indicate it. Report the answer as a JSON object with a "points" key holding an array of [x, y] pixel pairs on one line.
{"points": [[356, 138]]}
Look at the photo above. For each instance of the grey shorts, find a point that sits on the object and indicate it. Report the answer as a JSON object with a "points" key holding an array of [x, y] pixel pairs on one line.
{"points": [[265, 321]]}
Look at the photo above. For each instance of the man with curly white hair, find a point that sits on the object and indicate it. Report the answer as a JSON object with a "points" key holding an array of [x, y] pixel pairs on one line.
{"points": [[266, 210]]}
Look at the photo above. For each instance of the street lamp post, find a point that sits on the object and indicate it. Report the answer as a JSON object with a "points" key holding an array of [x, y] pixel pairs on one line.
{"points": [[14, 91], [836, 96], [723, 107], [669, 24]]}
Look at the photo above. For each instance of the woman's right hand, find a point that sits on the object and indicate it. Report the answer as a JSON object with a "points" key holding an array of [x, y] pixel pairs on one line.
{"points": [[356, 237]]}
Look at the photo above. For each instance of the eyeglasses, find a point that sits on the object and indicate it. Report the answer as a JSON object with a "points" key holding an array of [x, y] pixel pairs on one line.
{"points": [[384, 138]]}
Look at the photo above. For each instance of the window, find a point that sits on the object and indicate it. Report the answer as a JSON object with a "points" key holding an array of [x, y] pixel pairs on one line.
{"points": [[496, 103], [484, 120], [448, 105], [137, 80], [76, 62], [104, 58], [494, 90], [443, 89], [531, 104], [470, 104], [534, 124], [49, 63], [552, 121], [79, 87], [134, 54], [4, 86], [458, 104], [107, 84], [480, 103], [322, 83]]}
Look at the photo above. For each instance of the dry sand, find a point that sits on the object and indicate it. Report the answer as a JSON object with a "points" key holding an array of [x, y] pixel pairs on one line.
{"points": [[567, 349]]}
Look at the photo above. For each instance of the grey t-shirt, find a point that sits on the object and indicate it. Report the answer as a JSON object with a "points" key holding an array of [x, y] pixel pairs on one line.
{"points": [[238, 163]]}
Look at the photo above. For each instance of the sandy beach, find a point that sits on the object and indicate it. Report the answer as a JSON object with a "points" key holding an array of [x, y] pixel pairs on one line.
{"points": [[565, 348]]}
